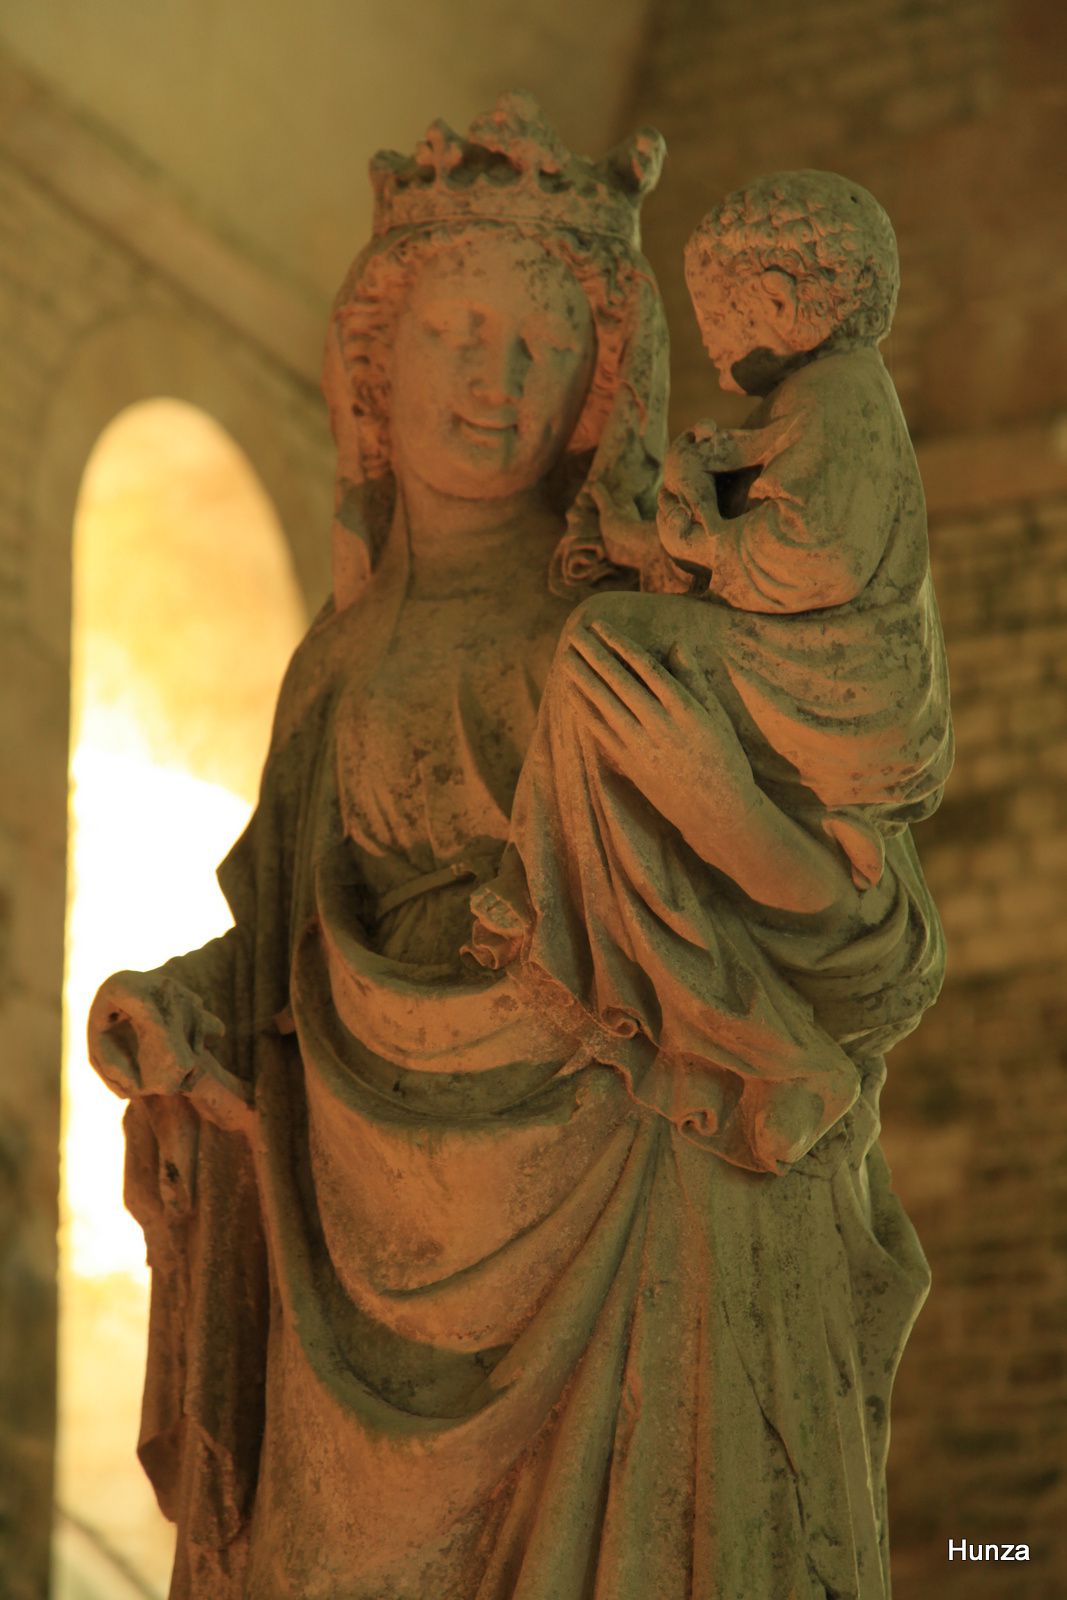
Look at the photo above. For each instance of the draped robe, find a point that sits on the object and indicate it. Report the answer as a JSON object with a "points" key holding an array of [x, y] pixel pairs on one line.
{"points": [[813, 630], [461, 1317]]}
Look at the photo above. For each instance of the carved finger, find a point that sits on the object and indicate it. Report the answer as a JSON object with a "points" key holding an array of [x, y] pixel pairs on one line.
{"points": [[113, 1051], [672, 695], [674, 520], [600, 692], [615, 744], [615, 751], [625, 679], [206, 1026], [222, 1098], [685, 470], [703, 432], [683, 669]]}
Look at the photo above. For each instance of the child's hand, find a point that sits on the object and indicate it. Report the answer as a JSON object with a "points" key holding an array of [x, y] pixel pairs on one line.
{"points": [[735, 449], [688, 475], [629, 541], [674, 520], [715, 446], [716, 449], [704, 432]]}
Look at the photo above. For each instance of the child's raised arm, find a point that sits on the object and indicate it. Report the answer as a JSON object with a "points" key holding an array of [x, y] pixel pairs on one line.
{"points": [[734, 449], [819, 511]]}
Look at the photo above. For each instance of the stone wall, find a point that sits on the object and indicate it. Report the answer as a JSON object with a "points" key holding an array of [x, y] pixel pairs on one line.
{"points": [[87, 327], [954, 115], [974, 1109], [951, 111]]}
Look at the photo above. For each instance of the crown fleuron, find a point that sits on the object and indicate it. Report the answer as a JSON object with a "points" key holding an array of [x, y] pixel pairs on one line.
{"points": [[513, 167]]}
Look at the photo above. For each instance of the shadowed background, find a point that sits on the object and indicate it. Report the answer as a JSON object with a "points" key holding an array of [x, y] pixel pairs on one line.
{"points": [[181, 189]]}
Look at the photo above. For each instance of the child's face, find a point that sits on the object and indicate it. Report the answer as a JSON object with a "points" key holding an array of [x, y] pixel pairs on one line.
{"points": [[748, 323]]}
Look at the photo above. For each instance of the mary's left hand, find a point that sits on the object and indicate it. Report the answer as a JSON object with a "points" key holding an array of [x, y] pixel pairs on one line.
{"points": [[681, 753]]}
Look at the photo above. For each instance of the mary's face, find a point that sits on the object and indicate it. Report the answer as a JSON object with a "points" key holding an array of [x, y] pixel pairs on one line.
{"points": [[492, 361]]}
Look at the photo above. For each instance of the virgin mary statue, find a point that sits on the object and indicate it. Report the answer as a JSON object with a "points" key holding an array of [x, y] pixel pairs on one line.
{"points": [[440, 1309]]}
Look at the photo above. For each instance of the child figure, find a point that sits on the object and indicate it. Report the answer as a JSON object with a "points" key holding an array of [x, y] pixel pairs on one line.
{"points": [[752, 910]]}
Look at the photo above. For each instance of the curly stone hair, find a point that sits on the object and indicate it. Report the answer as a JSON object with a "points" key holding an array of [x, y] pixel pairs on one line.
{"points": [[828, 234]]}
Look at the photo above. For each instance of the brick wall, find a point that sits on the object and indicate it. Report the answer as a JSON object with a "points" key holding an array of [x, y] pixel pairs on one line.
{"points": [[954, 115], [35, 318], [951, 111], [975, 1106]]}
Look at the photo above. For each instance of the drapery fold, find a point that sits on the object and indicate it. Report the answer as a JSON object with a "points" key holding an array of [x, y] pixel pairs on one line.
{"points": [[650, 1392]]}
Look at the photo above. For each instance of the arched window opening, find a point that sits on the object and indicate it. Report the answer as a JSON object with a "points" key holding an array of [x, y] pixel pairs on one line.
{"points": [[185, 611]]}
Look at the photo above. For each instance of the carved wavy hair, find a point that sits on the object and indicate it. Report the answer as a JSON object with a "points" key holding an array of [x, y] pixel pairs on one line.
{"points": [[623, 407], [828, 234]]}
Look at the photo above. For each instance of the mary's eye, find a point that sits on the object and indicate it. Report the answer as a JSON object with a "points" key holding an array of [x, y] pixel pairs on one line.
{"points": [[546, 339], [453, 330], [546, 353]]}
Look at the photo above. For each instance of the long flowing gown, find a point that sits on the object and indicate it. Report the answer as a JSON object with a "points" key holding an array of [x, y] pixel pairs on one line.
{"points": [[462, 1318]]}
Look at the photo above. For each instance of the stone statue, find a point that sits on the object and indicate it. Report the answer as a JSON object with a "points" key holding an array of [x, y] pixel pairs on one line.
{"points": [[509, 1172], [783, 732]]}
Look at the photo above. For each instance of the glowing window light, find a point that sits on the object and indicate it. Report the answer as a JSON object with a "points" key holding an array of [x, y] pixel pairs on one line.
{"points": [[185, 612], [122, 881]]}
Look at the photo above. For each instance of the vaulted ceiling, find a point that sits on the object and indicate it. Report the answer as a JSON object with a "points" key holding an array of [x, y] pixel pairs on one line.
{"points": [[261, 114]]}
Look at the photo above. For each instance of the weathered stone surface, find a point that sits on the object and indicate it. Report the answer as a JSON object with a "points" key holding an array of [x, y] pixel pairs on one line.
{"points": [[801, 722], [490, 1257]]}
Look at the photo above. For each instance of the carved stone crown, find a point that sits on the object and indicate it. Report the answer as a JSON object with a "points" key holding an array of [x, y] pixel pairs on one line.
{"points": [[513, 167]]}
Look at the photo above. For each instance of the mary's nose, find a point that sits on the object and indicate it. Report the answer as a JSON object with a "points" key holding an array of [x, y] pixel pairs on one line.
{"points": [[500, 370]]}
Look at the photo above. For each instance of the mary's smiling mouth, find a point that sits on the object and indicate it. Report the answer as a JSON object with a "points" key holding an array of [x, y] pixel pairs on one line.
{"points": [[487, 427]]}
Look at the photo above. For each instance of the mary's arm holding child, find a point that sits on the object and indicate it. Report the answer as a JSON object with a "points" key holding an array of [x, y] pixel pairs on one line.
{"points": [[684, 756]]}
